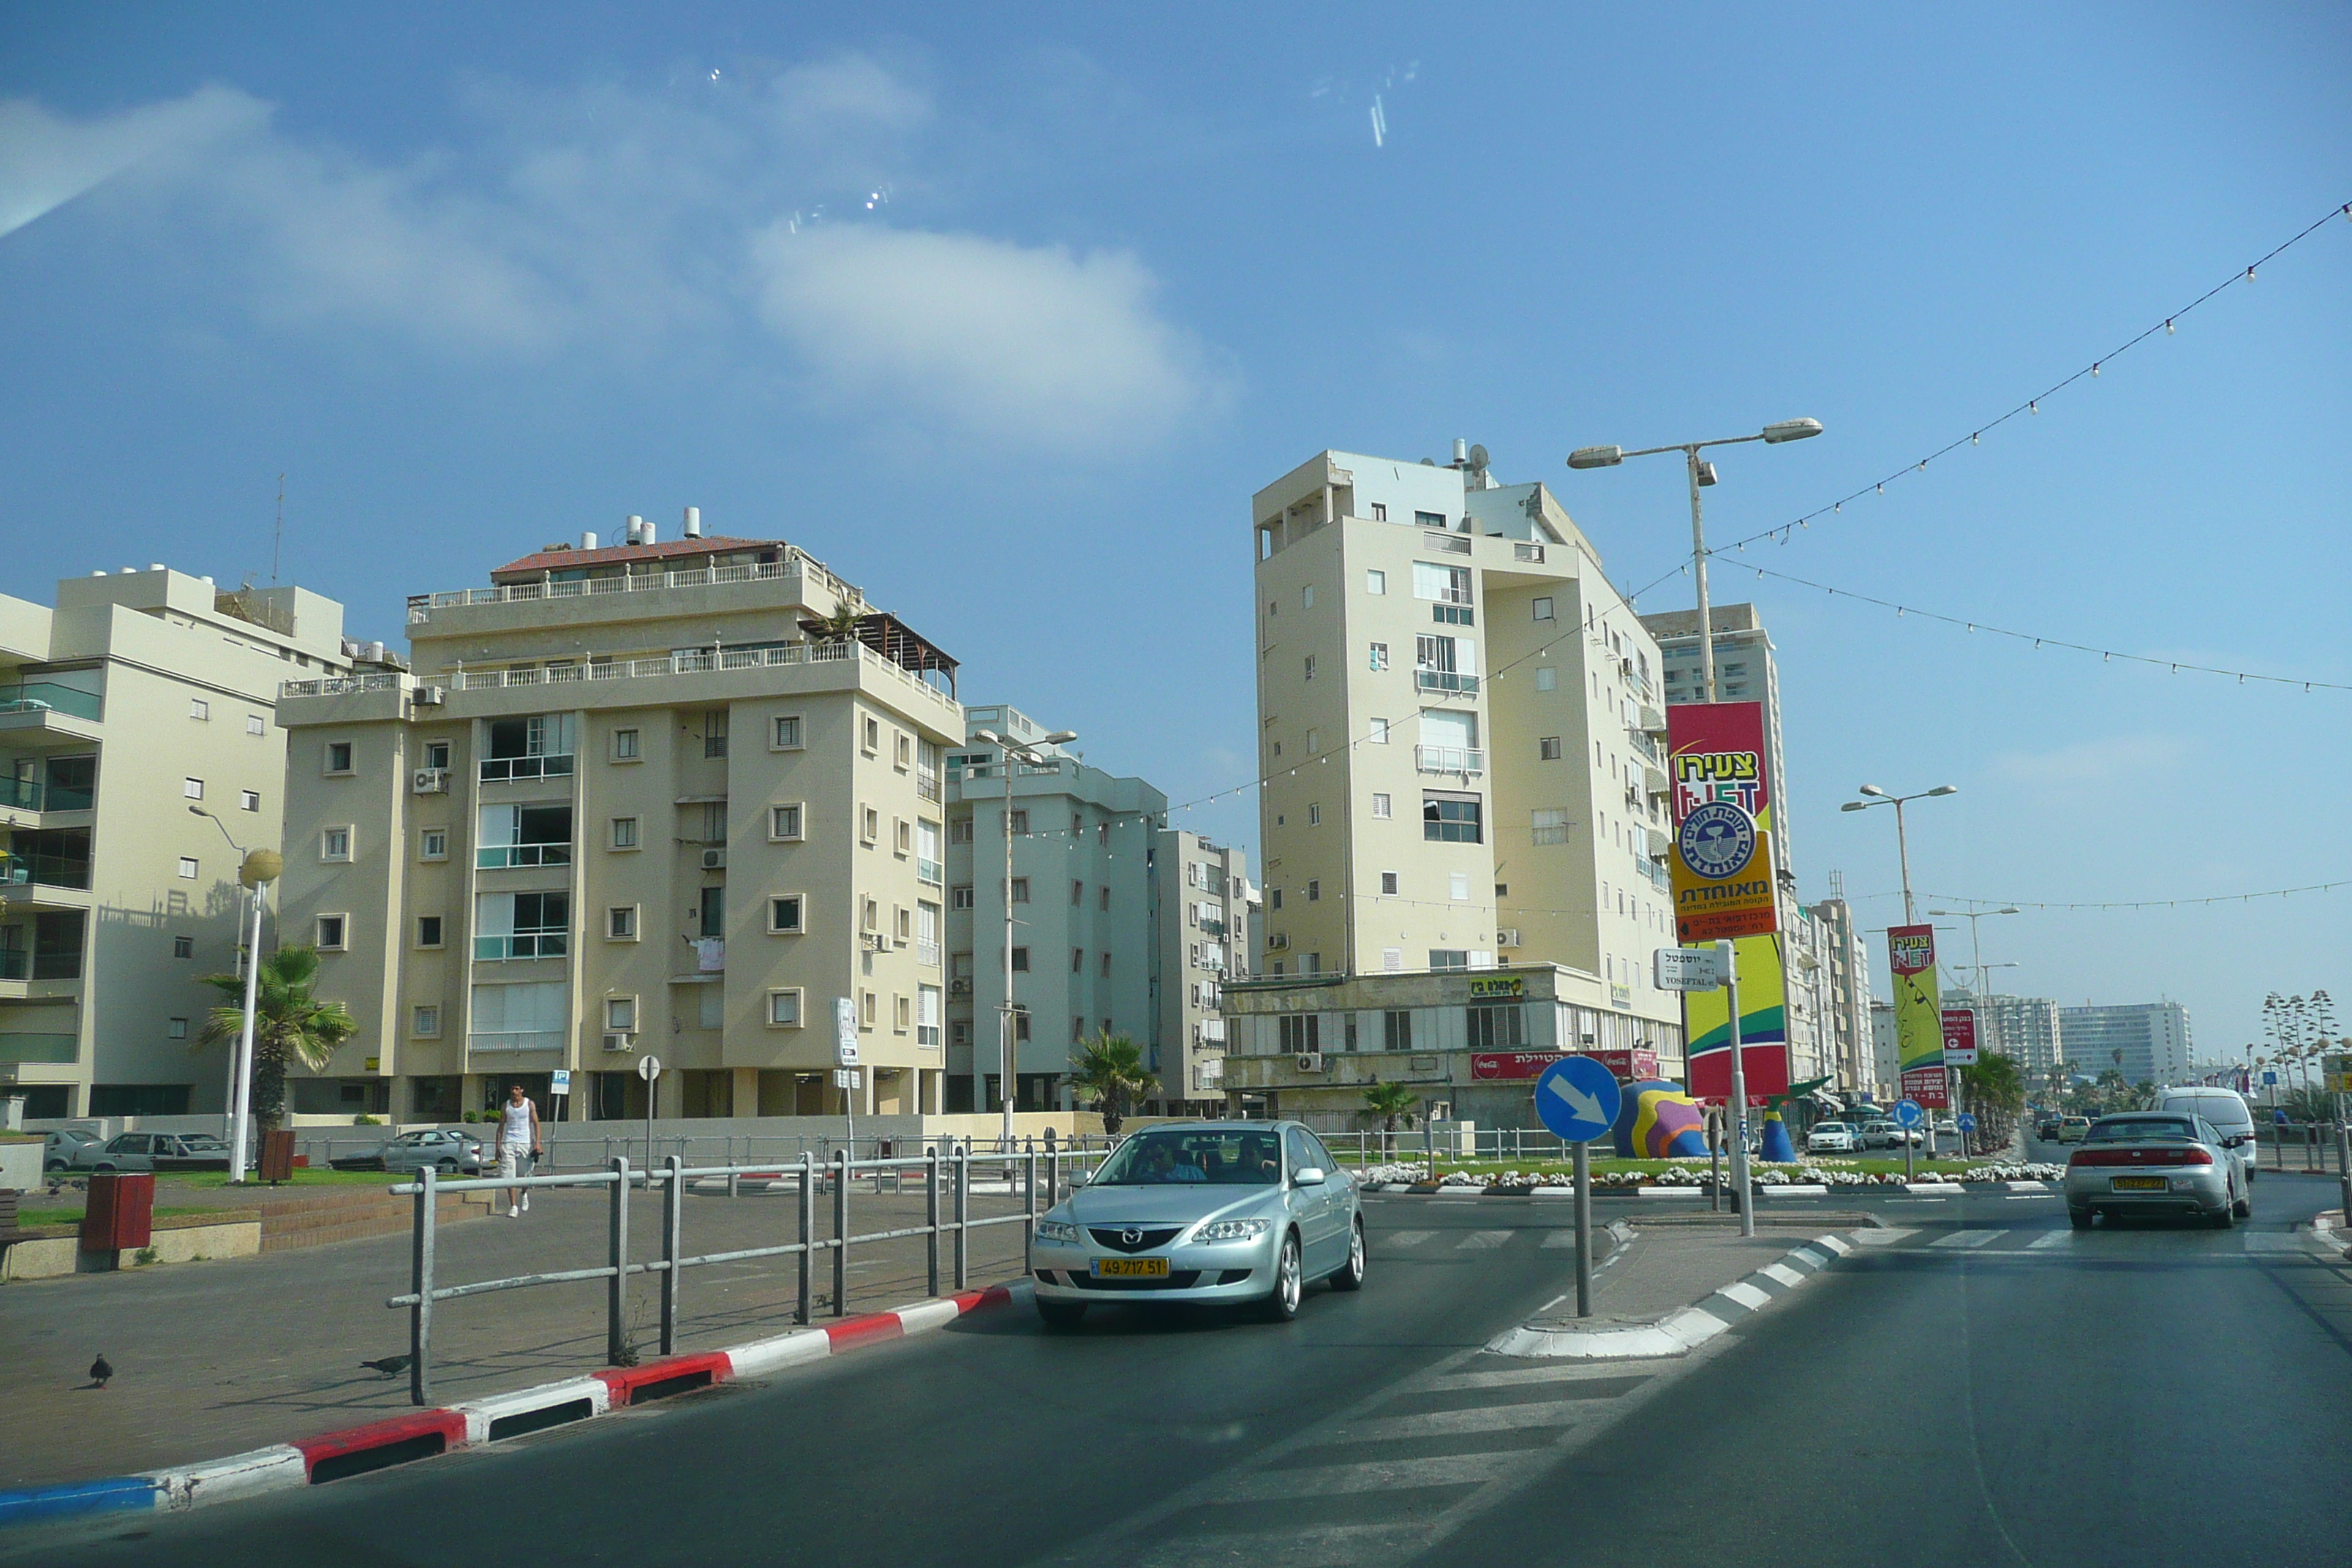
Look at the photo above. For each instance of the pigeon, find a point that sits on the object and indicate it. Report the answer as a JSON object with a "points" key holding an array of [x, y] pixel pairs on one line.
{"points": [[99, 1371], [390, 1365]]}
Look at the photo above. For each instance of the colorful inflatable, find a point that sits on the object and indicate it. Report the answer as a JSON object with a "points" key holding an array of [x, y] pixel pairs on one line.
{"points": [[1659, 1122], [1777, 1147]]}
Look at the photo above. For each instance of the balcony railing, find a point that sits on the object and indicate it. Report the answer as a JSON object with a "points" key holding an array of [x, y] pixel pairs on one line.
{"points": [[516, 1040], [794, 565], [695, 663], [926, 953], [494, 768], [1526, 552], [47, 870], [521, 944], [23, 793], [930, 871], [1449, 759], [1450, 544], [47, 1050], [339, 685], [1429, 679], [497, 856], [926, 786], [48, 696]]}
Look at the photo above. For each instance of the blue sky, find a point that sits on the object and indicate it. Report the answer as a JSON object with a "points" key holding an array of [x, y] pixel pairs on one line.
{"points": [[1005, 318]]}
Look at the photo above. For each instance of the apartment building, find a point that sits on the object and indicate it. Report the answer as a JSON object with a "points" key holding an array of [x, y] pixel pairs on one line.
{"points": [[1884, 1051], [1746, 671], [142, 699], [2147, 1041], [1204, 907], [1842, 988], [643, 799], [1460, 729], [2024, 1028]]}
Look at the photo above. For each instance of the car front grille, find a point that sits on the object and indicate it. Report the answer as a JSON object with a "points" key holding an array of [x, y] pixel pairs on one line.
{"points": [[1116, 1236], [1177, 1279]]}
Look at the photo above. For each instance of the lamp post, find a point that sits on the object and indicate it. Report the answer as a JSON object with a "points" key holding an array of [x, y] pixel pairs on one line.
{"points": [[1701, 474], [1007, 1057], [257, 869], [1903, 854]]}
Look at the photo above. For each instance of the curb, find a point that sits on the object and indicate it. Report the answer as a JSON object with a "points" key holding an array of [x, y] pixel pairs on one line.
{"points": [[1768, 1189], [423, 1434], [1686, 1328]]}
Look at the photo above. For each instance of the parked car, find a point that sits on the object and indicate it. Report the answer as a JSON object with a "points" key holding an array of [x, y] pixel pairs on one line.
{"points": [[1203, 1212], [58, 1147], [2228, 1113], [1889, 1135], [1836, 1137], [446, 1152], [2047, 1129], [144, 1151], [2071, 1128], [2149, 1161]]}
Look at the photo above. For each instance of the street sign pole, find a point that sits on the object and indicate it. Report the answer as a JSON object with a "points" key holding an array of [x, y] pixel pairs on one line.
{"points": [[1746, 1196], [1583, 1158], [1578, 1099]]}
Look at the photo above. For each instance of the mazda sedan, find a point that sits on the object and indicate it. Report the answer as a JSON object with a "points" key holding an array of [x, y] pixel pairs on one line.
{"points": [[2155, 1163], [1249, 1211], [1833, 1137]]}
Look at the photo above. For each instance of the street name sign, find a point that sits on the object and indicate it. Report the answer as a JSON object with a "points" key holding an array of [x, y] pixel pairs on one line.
{"points": [[845, 1022], [1578, 1099], [1689, 968]]}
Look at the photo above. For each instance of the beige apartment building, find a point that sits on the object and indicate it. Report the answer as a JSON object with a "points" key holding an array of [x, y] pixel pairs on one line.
{"points": [[637, 801], [1460, 728], [143, 698]]}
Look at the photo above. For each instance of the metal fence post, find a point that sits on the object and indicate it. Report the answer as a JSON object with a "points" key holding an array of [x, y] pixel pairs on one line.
{"points": [[673, 1221], [808, 1227], [1029, 1227], [931, 1215], [963, 1215], [617, 1289], [420, 1280], [841, 1232]]}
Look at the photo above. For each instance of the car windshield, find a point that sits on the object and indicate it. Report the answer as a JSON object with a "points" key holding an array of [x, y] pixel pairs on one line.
{"points": [[1175, 1156], [2141, 1130]]}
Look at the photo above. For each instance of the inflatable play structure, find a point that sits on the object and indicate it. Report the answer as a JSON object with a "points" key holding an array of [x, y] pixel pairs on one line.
{"points": [[1659, 1122]]}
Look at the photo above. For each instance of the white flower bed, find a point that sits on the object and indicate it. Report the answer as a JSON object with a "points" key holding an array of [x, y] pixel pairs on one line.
{"points": [[1808, 1173]]}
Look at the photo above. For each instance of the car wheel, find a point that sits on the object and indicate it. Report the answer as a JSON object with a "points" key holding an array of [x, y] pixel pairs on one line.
{"points": [[1351, 1278], [2079, 1218], [1282, 1302], [2222, 1218], [1062, 1314], [55, 1165], [2246, 1207]]}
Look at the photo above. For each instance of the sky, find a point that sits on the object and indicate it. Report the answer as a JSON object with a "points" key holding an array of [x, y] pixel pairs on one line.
{"points": [[1004, 313]]}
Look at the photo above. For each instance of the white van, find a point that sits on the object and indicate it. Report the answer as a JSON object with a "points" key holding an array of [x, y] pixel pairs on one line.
{"points": [[2226, 1109]]}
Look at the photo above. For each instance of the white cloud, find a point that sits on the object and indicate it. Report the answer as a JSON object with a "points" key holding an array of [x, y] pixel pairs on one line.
{"points": [[1018, 343], [46, 162]]}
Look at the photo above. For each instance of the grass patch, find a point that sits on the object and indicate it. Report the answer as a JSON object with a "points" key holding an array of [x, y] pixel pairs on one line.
{"points": [[302, 1177], [41, 1216]]}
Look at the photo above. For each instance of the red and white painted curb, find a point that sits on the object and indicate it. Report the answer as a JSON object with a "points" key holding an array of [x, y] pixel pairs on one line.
{"points": [[423, 1434]]}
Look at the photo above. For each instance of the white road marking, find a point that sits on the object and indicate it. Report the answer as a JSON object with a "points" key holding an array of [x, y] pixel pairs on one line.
{"points": [[2056, 1238], [1560, 1238], [1482, 1240], [1886, 1238], [1783, 1273], [1747, 1295], [1406, 1238], [1817, 1259], [1967, 1238], [1836, 1244]]}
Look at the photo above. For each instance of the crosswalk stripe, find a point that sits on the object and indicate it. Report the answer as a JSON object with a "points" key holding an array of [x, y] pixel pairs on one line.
{"points": [[1377, 1475], [1482, 1240], [1489, 1418], [2056, 1238], [1560, 1239], [1406, 1238], [1967, 1238]]}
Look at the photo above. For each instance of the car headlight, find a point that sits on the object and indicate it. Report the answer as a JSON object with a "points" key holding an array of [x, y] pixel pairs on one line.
{"points": [[1232, 1230], [1056, 1230]]}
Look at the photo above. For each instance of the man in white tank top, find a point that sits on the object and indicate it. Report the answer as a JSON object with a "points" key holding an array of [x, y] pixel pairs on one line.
{"points": [[518, 1145]]}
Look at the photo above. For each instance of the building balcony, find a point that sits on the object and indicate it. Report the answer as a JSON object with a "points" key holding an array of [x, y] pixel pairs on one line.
{"points": [[48, 1049], [49, 697], [1463, 760], [926, 953], [926, 786], [499, 770], [930, 871], [521, 944], [1429, 679], [500, 857], [506, 1040]]}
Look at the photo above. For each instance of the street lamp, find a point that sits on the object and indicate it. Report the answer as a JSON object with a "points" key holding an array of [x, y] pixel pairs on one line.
{"points": [[1007, 1057], [257, 869], [1701, 473], [1902, 841], [1976, 952]]}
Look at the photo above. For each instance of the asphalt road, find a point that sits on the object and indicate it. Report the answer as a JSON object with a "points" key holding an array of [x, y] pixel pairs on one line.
{"points": [[1991, 1388]]}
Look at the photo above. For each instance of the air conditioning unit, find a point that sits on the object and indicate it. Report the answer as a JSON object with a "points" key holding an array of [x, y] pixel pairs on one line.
{"points": [[714, 859], [1276, 941], [1508, 938], [430, 780], [432, 695], [616, 1042], [877, 942], [1311, 1061]]}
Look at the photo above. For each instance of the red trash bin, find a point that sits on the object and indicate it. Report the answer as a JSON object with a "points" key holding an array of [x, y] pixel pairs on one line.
{"points": [[120, 1215]]}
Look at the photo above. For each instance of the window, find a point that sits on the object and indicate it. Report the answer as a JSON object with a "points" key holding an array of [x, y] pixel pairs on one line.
{"points": [[1547, 678], [1548, 748], [785, 1009], [625, 833], [960, 830], [433, 844], [902, 836], [177, 1028], [960, 898], [624, 746], [428, 931], [1314, 740], [1458, 886], [869, 913], [437, 753], [1077, 961], [1445, 584], [1106, 963], [1376, 583], [194, 789], [1314, 890], [335, 843], [1389, 883], [784, 732], [866, 1009], [1310, 667], [714, 732], [1077, 1031], [339, 757], [1450, 818], [1396, 1030], [620, 1015], [1429, 519], [902, 921], [872, 737], [1274, 898], [1314, 814], [1380, 511], [199, 709], [1543, 609], [1550, 825], [1017, 823], [1020, 889], [1307, 597], [902, 750], [1300, 1033], [184, 947], [869, 824], [250, 800], [1380, 656], [1104, 891], [927, 1016], [783, 823], [187, 867], [714, 911], [621, 923], [1078, 894], [1449, 958], [330, 933], [785, 914], [1380, 806], [1020, 961], [424, 1020], [1497, 1028]]}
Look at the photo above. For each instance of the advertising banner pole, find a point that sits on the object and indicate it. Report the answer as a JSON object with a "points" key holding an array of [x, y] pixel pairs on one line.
{"points": [[1745, 1195]]}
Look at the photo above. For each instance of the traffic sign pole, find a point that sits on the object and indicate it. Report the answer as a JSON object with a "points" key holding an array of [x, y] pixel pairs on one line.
{"points": [[1579, 1099], [1583, 1158], [1739, 1183]]}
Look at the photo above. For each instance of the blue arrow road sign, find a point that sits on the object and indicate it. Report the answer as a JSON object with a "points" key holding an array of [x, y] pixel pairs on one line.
{"points": [[1578, 1099], [1968, 1122], [1907, 1113]]}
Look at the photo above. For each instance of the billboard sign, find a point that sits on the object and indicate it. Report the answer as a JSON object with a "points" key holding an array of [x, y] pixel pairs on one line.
{"points": [[1918, 1014], [1960, 1037], [1716, 757], [1722, 858], [1493, 1066]]}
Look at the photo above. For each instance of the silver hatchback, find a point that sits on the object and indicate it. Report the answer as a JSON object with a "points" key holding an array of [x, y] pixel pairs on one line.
{"points": [[2154, 1162], [1244, 1212]]}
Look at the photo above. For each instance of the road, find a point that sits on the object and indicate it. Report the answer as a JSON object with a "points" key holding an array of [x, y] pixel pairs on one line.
{"points": [[1989, 1388]]}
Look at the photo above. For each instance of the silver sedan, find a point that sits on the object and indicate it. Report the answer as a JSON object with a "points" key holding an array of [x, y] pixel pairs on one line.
{"points": [[2154, 1162], [1203, 1212]]}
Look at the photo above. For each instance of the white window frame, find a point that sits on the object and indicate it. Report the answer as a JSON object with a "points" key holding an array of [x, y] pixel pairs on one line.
{"points": [[800, 914], [425, 1021], [443, 936], [785, 732], [192, 789], [1383, 805], [636, 923], [1376, 581], [424, 844], [327, 758], [343, 932], [783, 831], [628, 1016], [331, 848], [629, 746], [248, 800], [779, 994], [619, 826]]}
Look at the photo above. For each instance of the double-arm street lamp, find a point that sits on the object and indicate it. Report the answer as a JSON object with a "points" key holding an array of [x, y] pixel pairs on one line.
{"points": [[257, 869], [1903, 854], [1976, 950], [1007, 1056], [1701, 473]]}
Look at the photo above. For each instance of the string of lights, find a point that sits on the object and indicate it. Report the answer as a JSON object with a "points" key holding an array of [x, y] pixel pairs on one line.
{"points": [[2130, 903]]}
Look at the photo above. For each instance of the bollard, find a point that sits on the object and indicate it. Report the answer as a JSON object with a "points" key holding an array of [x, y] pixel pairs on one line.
{"points": [[841, 1232], [1029, 1201], [673, 1220], [420, 1280], [963, 1214], [932, 1216], [808, 1227], [617, 1289]]}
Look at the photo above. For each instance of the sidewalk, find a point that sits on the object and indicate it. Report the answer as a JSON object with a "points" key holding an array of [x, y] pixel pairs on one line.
{"points": [[214, 1358]]}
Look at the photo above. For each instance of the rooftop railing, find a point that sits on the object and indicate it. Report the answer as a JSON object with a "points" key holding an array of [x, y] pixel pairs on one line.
{"points": [[795, 564]]}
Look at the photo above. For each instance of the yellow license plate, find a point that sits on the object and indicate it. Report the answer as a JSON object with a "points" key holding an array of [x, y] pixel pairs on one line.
{"points": [[1130, 1269], [2140, 1184]]}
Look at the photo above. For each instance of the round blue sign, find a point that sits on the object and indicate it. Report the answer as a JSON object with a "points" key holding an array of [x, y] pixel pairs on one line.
{"points": [[1578, 1099], [1717, 840], [1968, 1122], [1907, 1113]]}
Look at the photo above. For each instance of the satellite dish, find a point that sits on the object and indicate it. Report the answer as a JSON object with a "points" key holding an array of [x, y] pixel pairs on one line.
{"points": [[1429, 462], [1478, 458]]}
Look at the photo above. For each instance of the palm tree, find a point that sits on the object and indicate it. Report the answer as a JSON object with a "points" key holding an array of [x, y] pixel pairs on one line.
{"points": [[1389, 1101], [288, 1024], [1996, 1092], [837, 628], [1109, 1070]]}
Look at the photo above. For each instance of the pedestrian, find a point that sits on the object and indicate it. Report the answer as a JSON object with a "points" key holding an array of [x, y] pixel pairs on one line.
{"points": [[518, 1145]]}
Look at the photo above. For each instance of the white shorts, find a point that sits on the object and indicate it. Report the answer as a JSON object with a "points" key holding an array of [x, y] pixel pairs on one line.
{"points": [[514, 1161]]}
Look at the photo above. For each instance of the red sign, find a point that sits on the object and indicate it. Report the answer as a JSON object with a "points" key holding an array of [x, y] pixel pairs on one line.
{"points": [[1625, 1064], [1960, 1037], [1926, 1085], [1765, 1067]]}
